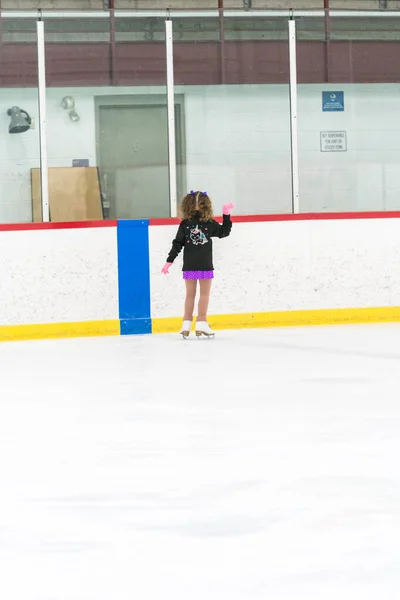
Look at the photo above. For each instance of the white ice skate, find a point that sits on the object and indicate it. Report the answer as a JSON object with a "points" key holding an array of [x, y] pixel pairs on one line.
{"points": [[203, 328], [186, 328]]}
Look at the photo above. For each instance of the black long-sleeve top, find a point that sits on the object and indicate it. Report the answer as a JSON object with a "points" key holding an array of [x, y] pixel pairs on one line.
{"points": [[195, 238]]}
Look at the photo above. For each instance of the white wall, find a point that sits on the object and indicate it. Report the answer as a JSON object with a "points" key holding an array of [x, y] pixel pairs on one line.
{"points": [[237, 143], [289, 265], [58, 276]]}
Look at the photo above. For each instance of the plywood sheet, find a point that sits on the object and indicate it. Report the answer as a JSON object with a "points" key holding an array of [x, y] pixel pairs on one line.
{"points": [[74, 194]]}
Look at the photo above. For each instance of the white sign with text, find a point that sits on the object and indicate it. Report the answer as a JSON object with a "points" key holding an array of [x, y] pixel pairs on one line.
{"points": [[333, 141]]}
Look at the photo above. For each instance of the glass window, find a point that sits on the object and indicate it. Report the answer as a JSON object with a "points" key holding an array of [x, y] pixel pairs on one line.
{"points": [[107, 118], [19, 104], [232, 77], [349, 139]]}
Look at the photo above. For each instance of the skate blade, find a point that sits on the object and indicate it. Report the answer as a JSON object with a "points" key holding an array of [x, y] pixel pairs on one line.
{"points": [[207, 335], [185, 334]]}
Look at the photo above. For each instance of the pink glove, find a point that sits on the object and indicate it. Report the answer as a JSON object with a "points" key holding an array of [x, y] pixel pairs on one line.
{"points": [[165, 268], [228, 208]]}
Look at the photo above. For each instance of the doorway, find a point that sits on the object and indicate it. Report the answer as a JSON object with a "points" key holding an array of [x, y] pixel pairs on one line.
{"points": [[132, 155]]}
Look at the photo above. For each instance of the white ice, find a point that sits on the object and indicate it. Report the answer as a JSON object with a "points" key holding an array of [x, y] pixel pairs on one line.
{"points": [[260, 465]]}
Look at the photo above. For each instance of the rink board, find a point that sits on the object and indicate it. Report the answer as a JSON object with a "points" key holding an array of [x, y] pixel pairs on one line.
{"points": [[101, 278]]}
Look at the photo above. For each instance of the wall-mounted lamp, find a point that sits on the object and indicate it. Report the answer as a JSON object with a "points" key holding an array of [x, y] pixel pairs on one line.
{"points": [[68, 103], [20, 120]]}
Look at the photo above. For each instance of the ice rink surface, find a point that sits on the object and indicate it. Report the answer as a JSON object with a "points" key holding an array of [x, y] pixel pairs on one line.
{"points": [[262, 465]]}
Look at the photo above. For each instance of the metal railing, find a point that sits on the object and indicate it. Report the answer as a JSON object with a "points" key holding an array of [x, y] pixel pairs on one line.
{"points": [[247, 5], [190, 14]]}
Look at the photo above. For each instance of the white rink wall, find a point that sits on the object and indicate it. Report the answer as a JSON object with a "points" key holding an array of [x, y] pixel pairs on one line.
{"points": [[289, 265], [80, 275], [58, 275]]}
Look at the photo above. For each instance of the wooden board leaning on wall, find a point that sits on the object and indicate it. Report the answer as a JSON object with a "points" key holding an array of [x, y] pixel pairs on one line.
{"points": [[74, 194]]}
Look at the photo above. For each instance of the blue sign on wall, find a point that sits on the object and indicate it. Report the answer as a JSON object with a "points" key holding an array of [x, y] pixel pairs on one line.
{"points": [[333, 101]]}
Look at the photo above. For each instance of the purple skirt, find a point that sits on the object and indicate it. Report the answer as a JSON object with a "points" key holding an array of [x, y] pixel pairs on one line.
{"points": [[198, 274]]}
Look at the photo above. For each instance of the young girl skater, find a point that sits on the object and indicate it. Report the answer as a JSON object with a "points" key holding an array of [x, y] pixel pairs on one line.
{"points": [[194, 235]]}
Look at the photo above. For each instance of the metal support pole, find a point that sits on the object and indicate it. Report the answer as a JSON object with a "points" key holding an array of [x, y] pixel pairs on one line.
{"points": [[293, 117], [112, 42], [327, 39], [171, 117], [221, 40], [44, 175]]}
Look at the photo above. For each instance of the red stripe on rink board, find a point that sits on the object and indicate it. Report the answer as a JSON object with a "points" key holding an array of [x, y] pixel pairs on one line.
{"points": [[69, 225], [394, 214]]}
